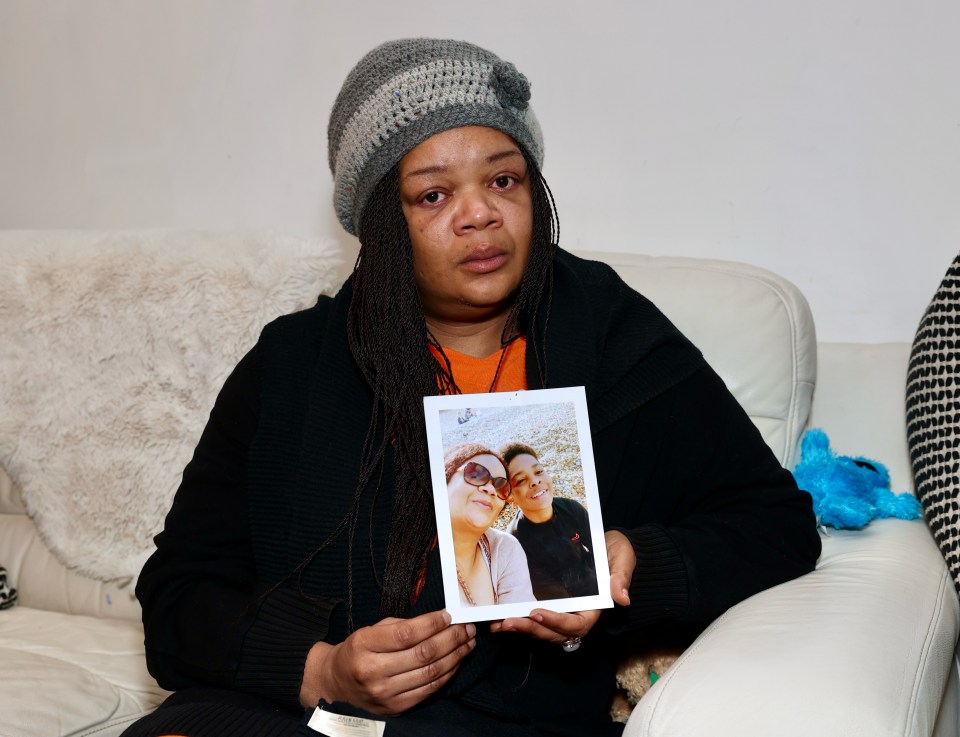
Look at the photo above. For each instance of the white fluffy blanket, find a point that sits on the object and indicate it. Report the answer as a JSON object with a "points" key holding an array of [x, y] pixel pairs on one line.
{"points": [[112, 349]]}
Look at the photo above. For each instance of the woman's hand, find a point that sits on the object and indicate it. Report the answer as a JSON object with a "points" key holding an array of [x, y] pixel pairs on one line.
{"points": [[557, 627], [389, 667], [622, 560]]}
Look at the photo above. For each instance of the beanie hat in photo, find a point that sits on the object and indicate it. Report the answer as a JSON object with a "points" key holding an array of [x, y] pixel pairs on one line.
{"points": [[403, 92]]}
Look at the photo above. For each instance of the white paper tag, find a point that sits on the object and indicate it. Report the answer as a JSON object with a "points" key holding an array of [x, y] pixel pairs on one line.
{"points": [[340, 725]]}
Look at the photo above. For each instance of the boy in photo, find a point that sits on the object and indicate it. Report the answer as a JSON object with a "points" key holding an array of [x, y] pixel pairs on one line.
{"points": [[554, 532]]}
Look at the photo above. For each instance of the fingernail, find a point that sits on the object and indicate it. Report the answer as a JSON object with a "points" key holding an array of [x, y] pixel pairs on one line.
{"points": [[446, 616], [471, 629], [495, 627], [538, 617]]}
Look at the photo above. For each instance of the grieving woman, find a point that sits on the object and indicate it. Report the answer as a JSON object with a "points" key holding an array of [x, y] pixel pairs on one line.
{"points": [[298, 567]]}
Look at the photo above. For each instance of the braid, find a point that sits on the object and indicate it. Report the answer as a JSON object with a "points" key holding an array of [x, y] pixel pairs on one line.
{"points": [[388, 339], [390, 342], [537, 285]]}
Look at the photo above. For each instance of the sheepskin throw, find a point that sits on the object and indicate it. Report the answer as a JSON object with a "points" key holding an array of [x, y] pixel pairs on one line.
{"points": [[114, 346]]}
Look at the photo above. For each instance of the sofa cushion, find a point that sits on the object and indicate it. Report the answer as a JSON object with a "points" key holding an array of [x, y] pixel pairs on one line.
{"points": [[115, 345], [933, 416], [858, 403], [74, 696], [63, 674]]}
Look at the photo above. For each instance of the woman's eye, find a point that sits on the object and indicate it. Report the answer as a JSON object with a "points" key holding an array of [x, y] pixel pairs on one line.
{"points": [[432, 198], [503, 181]]}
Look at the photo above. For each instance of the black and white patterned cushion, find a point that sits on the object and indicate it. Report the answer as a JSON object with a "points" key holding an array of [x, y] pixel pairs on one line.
{"points": [[8, 595], [933, 416]]}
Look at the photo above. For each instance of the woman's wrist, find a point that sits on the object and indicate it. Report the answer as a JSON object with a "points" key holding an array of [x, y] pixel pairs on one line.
{"points": [[312, 688]]}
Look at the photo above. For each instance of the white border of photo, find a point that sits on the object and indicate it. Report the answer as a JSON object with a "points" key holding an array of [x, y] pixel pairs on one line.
{"points": [[459, 611]]}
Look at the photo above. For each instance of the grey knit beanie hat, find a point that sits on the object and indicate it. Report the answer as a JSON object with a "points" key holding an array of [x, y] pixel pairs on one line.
{"points": [[403, 92]]}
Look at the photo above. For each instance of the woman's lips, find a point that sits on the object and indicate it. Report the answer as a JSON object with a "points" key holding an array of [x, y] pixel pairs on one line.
{"points": [[483, 503], [484, 260]]}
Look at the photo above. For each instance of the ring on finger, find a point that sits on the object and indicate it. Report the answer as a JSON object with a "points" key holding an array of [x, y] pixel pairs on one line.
{"points": [[571, 644]]}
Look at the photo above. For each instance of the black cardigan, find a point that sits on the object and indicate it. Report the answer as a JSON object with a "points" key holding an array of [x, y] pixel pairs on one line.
{"points": [[681, 470]]}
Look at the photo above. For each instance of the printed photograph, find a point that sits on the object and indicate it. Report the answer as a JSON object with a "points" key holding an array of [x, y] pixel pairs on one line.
{"points": [[517, 506]]}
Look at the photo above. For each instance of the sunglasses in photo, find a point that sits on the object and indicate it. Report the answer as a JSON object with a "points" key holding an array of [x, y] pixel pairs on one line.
{"points": [[477, 475]]}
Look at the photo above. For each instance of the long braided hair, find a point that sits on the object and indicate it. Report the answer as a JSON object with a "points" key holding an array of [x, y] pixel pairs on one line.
{"points": [[390, 342]]}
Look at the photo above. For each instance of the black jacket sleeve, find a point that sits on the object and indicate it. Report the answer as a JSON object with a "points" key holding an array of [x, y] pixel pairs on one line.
{"points": [[207, 619], [711, 514]]}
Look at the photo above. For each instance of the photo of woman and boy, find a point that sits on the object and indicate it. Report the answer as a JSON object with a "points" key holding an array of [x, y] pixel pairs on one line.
{"points": [[517, 503]]}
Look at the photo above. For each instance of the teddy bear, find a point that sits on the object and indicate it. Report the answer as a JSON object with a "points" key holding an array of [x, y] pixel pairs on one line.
{"points": [[848, 492], [636, 675]]}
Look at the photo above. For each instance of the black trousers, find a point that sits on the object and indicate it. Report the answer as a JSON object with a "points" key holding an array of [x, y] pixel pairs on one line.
{"points": [[216, 712]]}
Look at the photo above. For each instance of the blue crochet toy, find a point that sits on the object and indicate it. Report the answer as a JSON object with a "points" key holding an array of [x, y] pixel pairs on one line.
{"points": [[848, 492]]}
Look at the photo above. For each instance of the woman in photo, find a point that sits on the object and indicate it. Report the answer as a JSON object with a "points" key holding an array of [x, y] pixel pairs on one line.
{"points": [[491, 565], [298, 565]]}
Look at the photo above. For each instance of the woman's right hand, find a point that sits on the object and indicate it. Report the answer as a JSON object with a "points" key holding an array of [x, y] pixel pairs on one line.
{"points": [[389, 667]]}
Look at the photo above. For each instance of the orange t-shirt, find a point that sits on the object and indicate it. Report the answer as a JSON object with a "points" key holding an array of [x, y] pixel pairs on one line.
{"points": [[474, 375]]}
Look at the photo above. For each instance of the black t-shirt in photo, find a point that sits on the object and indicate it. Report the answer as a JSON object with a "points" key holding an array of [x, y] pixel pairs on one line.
{"points": [[559, 551]]}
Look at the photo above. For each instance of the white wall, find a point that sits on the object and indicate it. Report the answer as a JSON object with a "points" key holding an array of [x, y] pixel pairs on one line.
{"points": [[818, 139]]}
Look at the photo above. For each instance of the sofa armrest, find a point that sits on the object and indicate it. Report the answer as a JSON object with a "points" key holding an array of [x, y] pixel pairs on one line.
{"points": [[757, 333], [43, 582], [863, 645]]}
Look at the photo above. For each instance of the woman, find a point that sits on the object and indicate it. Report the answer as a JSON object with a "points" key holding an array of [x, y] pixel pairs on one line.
{"points": [[491, 565], [297, 565]]}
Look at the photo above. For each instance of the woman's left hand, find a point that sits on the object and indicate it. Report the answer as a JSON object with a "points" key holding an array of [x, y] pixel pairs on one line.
{"points": [[622, 560], [557, 627]]}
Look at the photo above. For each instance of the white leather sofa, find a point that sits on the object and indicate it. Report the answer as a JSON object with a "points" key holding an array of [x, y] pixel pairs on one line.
{"points": [[862, 646], [865, 644]]}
